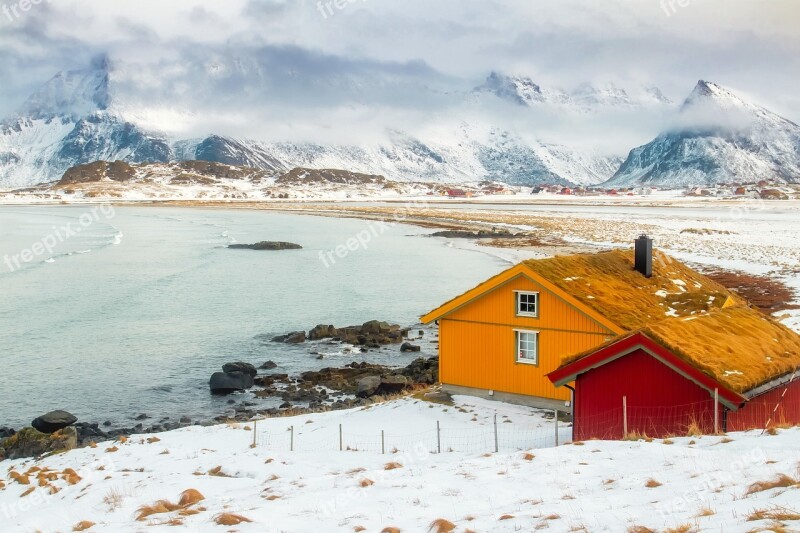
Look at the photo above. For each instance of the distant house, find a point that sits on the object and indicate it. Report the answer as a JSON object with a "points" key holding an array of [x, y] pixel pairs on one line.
{"points": [[566, 191], [582, 332], [740, 191], [458, 193]]}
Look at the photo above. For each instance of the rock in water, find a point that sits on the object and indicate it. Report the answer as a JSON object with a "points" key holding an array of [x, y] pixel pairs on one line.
{"points": [[267, 245], [368, 386], [53, 421], [408, 347], [224, 383], [29, 442], [269, 365], [295, 337], [247, 368]]}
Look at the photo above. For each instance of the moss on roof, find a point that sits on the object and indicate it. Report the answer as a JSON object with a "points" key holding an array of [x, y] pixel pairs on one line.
{"points": [[608, 283], [739, 347]]}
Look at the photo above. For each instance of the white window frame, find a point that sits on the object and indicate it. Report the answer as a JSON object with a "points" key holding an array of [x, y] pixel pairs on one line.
{"points": [[518, 333], [518, 303]]}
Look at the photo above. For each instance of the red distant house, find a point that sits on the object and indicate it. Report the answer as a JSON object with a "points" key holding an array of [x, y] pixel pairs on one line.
{"points": [[458, 193], [566, 190], [725, 369]]}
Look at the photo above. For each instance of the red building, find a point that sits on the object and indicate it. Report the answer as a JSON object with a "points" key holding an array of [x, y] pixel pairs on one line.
{"points": [[730, 369]]}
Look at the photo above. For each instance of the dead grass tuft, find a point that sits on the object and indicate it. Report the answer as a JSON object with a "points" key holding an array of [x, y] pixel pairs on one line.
{"points": [[529, 456], [636, 436], [774, 513], [652, 483], [217, 472], [683, 528], [706, 511], [83, 526], [365, 483], [359, 529], [390, 529], [440, 525], [190, 497], [392, 466], [230, 519], [780, 481], [640, 529], [506, 517], [160, 507]]}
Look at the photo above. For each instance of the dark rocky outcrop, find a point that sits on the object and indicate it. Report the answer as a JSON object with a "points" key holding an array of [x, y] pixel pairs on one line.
{"points": [[368, 386], [480, 234], [227, 383], [247, 368], [269, 365], [408, 347], [29, 442], [53, 421], [295, 337], [372, 334], [267, 245]]}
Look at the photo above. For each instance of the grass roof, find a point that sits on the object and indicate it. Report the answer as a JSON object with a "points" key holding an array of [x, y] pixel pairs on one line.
{"points": [[608, 283], [739, 347]]}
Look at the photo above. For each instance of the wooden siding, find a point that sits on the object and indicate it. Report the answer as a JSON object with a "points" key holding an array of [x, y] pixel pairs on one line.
{"points": [[477, 341], [660, 402], [757, 411]]}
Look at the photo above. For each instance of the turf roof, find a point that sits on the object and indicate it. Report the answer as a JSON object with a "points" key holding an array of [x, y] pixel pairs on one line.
{"points": [[608, 283]]}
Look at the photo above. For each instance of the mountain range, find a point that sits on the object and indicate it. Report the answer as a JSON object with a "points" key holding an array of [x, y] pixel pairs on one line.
{"points": [[95, 114]]}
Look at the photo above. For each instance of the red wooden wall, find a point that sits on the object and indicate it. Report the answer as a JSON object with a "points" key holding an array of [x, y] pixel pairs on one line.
{"points": [[660, 401], [756, 412]]}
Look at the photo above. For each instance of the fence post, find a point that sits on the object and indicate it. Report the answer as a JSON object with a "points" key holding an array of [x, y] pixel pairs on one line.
{"points": [[383, 442], [496, 443], [556, 419], [716, 411], [624, 416], [291, 438], [255, 432], [438, 437], [341, 439]]}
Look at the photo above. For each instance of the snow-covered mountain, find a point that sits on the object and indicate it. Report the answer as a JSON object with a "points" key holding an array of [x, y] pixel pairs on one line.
{"points": [[93, 114], [587, 97], [718, 138]]}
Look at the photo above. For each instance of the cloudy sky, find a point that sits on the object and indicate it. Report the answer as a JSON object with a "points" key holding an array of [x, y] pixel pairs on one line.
{"points": [[388, 49]]}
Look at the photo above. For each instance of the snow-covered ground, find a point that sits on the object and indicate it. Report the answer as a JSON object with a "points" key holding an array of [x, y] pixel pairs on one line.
{"points": [[698, 483]]}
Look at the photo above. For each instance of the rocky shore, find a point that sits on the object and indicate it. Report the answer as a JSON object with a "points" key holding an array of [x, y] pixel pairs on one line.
{"points": [[354, 384]]}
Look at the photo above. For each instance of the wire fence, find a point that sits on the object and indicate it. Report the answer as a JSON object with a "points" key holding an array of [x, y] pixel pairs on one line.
{"points": [[439, 438]]}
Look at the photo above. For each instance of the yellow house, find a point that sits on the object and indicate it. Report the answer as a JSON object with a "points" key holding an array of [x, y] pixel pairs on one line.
{"points": [[500, 339]]}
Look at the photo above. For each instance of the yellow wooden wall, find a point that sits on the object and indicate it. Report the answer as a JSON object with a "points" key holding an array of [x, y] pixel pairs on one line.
{"points": [[477, 341]]}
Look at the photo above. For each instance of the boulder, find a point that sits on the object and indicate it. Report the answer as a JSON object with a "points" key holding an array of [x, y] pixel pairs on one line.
{"points": [[267, 245], [6, 432], [295, 337], [392, 384], [408, 347], [375, 327], [368, 386], [53, 421], [247, 368], [226, 383], [269, 365], [29, 442], [322, 332]]}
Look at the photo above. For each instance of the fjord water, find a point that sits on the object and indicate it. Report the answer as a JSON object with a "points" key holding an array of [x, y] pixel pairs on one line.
{"points": [[134, 312]]}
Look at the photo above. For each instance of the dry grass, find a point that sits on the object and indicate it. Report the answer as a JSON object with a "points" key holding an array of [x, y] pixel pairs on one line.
{"points": [[780, 481], [640, 529], [27, 492], [390, 529], [705, 511], [652, 483], [217, 472], [230, 519], [506, 517], [440, 525], [392, 466], [636, 436], [767, 294], [683, 528], [365, 483], [774, 513], [359, 529], [528, 456], [187, 499], [83, 526]]}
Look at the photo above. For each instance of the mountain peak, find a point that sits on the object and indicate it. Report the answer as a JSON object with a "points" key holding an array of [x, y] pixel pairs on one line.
{"points": [[706, 91], [71, 93], [517, 89]]}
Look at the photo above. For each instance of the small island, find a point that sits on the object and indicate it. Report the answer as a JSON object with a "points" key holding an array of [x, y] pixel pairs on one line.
{"points": [[267, 245]]}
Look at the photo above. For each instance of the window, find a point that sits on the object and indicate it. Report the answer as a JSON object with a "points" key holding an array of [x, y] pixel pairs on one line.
{"points": [[527, 304], [527, 347]]}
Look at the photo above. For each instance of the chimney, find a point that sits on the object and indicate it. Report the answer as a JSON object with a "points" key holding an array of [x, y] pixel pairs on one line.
{"points": [[644, 256]]}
